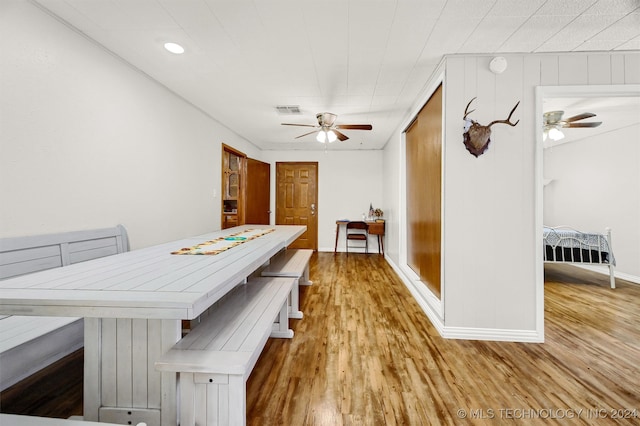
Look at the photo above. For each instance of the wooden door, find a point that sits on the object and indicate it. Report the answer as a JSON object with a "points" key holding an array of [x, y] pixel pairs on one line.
{"points": [[297, 200], [257, 194], [424, 192]]}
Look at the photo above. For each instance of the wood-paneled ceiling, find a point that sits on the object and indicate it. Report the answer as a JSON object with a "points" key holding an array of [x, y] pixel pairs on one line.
{"points": [[365, 60]]}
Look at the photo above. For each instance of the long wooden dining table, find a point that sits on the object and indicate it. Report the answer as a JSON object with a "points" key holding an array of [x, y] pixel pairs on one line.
{"points": [[133, 304]]}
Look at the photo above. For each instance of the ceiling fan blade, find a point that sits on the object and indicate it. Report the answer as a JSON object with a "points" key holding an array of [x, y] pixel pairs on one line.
{"points": [[298, 137], [592, 124], [340, 135], [354, 126], [580, 117], [301, 125]]}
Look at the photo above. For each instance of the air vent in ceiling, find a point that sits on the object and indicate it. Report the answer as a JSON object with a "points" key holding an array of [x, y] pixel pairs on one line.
{"points": [[288, 109]]}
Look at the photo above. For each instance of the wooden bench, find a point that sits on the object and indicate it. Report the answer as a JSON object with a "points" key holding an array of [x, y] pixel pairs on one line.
{"points": [[19, 420], [215, 359], [30, 343], [295, 264]]}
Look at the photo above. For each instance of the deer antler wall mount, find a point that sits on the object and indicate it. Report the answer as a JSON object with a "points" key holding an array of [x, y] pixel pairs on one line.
{"points": [[477, 136]]}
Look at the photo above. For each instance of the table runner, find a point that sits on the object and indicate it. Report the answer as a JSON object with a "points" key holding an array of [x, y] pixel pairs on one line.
{"points": [[218, 245]]}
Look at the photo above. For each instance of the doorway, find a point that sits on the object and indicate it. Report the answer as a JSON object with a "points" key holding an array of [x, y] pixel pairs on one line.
{"points": [[233, 187], [297, 200], [588, 178]]}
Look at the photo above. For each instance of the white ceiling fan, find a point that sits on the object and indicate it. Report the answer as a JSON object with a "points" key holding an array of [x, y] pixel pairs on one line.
{"points": [[553, 121], [327, 130]]}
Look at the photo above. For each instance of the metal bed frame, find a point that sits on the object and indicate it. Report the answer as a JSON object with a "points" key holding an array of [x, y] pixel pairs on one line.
{"points": [[577, 248]]}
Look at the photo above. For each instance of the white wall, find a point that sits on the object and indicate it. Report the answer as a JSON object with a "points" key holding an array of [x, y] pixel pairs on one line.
{"points": [[596, 184], [491, 202], [86, 141], [348, 181]]}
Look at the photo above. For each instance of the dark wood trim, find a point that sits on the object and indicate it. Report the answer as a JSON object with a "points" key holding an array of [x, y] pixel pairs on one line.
{"points": [[241, 199]]}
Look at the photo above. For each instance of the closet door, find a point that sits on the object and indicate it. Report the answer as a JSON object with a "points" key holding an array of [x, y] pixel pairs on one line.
{"points": [[424, 192]]}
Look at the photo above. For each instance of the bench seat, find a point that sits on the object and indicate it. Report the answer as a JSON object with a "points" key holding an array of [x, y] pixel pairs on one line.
{"points": [[291, 263], [19, 420], [30, 343], [27, 344], [216, 357]]}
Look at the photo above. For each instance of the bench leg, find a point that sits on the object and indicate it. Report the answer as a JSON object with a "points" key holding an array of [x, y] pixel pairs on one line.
{"points": [[212, 399], [281, 327], [305, 277], [294, 302]]}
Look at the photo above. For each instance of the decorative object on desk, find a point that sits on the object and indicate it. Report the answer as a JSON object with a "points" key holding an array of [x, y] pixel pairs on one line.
{"points": [[371, 210], [218, 245], [378, 213], [477, 136]]}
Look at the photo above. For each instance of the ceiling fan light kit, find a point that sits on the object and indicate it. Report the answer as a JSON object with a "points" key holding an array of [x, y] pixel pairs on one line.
{"points": [[326, 136], [554, 134]]}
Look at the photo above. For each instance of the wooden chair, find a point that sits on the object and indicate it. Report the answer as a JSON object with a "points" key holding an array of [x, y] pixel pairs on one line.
{"points": [[358, 231]]}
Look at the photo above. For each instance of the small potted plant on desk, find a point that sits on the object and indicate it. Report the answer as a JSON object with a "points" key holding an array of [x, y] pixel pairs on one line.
{"points": [[378, 213]]}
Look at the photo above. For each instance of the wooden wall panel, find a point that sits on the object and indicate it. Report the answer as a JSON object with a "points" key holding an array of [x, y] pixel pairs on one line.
{"points": [[632, 69], [549, 71], [617, 69], [572, 70], [599, 69]]}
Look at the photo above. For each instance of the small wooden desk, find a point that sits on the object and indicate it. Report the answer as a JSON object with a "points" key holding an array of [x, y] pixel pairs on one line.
{"points": [[375, 228]]}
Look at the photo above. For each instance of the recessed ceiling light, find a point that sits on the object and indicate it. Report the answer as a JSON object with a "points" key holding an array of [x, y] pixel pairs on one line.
{"points": [[174, 48]]}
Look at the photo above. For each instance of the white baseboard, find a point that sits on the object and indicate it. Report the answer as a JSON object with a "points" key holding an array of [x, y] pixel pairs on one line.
{"points": [[604, 270], [500, 335], [435, 314]]}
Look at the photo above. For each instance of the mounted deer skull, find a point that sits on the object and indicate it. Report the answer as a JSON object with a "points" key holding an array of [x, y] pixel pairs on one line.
{"points": [[477, 136]]}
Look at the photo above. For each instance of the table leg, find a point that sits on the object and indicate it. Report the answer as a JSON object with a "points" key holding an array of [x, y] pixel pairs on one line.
{"points": [[120, 374], [335, 248]]}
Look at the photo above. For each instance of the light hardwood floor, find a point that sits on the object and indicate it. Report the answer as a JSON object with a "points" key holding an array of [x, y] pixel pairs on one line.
{"points": [[365, 354]]}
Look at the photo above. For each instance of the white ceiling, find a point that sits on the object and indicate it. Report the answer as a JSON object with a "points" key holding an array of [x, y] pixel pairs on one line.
{"points": [[365, 60]]}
